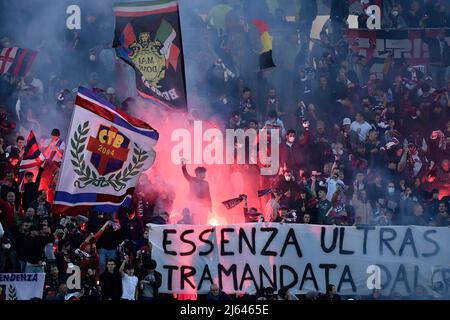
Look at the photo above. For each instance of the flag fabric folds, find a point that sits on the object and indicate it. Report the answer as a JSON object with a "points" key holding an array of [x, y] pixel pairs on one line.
{"points": [[262, 193], [230, 204], [16, 61], [265, 55], [106, 152], [148, 37], [166, 35], [32, 159]]}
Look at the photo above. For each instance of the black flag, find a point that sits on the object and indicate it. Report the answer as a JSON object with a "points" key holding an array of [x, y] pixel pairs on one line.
{"points": [[230, 204], [263, 192], [148, 37]]}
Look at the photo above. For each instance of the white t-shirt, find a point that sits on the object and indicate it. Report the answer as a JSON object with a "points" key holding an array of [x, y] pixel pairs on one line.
{"points": [[365, 128], [270, 209], [129, 285], [56, 157], [332, 187]]}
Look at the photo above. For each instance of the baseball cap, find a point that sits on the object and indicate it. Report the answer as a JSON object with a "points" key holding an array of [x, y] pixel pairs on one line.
{"points": [[346, 121]]}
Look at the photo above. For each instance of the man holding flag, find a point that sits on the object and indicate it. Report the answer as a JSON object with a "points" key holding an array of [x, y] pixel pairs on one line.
{"points": [[30, 167], [54, 148], [53, 152], [107, 151]]}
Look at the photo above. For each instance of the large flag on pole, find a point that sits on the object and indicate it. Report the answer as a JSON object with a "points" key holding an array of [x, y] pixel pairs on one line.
{"points": [[106, 152], [148, 37], [16, 61], [32, 159]]}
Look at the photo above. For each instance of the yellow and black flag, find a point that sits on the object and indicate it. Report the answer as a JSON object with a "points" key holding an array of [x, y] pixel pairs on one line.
{"points": [[265, 56]]}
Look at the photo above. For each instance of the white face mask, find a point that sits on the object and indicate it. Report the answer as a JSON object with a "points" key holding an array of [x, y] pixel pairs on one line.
{"points": [[395, 13], [391, 190], [92, 57], [287, 178], [224, 101], [7, 246]]}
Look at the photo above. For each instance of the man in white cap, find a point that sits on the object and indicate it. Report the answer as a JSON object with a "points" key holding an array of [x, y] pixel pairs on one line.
{"points": [[346, 122]]}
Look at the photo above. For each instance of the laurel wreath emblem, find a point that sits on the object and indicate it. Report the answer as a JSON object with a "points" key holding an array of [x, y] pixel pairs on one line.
{"points": [[88, 176], [12, 293]]}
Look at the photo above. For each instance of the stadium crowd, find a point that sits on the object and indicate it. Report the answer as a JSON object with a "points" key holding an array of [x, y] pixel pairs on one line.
{"points": [[356, 147]]}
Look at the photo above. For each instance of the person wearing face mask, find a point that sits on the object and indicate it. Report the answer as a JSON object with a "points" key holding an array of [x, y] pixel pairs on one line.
{"points": [[391, 199], [291, 150], [9, 263], [391, 189], [395, 19]]}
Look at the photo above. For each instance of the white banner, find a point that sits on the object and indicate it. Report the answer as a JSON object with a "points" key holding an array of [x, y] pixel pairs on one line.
{"points": [[242, 258], [21, 286], [106, 152]]}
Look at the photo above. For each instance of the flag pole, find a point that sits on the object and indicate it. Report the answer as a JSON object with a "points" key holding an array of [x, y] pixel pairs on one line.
{"points": [[67, 145], [183, 69]]}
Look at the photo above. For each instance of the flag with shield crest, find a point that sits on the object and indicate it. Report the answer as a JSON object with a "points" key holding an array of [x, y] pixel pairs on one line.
{"points": [[148, 37], [108, 150]]}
